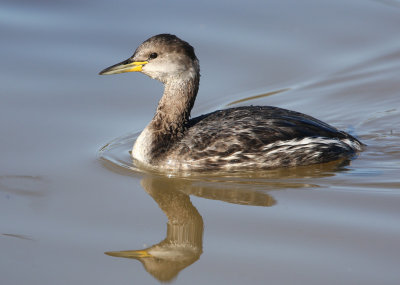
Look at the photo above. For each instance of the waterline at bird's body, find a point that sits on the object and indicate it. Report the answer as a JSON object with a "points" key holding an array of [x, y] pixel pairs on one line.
{"points": [[254, 137]]}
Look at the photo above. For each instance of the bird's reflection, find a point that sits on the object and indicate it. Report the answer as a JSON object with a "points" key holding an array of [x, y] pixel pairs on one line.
{"points": [[183, 244]]}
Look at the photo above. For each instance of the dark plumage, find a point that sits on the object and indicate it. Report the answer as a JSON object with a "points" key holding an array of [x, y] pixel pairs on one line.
{"points": [[258, 137]]}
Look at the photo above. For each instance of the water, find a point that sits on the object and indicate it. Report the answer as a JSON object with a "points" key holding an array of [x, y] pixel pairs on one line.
{"points": [[64, 203]]}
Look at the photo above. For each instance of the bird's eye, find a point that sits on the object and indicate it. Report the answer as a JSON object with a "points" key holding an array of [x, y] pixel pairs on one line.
{"points": [[153, 55]]}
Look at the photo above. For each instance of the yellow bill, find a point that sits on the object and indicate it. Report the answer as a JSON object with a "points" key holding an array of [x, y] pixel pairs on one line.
{"points": [[130, 253], [124, 66]]}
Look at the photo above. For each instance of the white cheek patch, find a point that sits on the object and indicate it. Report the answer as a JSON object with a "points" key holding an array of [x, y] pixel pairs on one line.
{"points": [[161, 70], [161, 67]]}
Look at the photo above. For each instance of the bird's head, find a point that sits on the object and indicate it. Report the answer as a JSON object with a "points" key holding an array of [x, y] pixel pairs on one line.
{"points": [[162, 57]]}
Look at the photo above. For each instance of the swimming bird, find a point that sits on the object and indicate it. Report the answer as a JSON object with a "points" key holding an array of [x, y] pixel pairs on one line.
{"points": [[241, 138]]}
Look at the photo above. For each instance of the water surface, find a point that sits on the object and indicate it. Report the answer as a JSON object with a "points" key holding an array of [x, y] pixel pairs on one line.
{"points": [[64, 202]]}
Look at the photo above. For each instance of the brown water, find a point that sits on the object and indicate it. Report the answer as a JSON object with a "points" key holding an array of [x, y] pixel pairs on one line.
{"points": [[66, 199]]}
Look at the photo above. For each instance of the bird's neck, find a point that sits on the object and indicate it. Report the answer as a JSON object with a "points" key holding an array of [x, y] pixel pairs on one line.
{"points": [[174, 108], [170, 120]]}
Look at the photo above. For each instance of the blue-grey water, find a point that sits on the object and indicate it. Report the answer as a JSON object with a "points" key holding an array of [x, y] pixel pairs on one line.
{"points": [[68, 196]]}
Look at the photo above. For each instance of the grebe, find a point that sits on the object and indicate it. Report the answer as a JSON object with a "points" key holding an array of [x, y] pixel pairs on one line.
{"points": [[254, 137]]}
